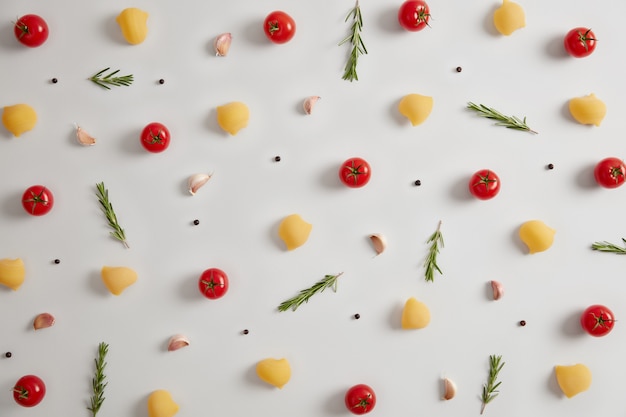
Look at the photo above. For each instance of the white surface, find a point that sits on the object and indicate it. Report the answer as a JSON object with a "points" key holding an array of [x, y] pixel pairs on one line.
{"points": [[526, 74]]}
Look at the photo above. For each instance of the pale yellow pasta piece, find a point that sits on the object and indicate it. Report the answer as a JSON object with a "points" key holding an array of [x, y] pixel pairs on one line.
{"points": [[294, 231], [134, 25], [587, 110], [509, 17], [12, 273], [573, 379], [118, 278], [415, 314], [19, 118], [536, 235], [276, 372], [416, 108], [161, 404], [233, 117]]}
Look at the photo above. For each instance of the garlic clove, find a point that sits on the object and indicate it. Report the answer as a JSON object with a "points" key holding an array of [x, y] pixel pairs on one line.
{"points": [[222, 44], [176, 342], [196, 181], [43, 320], [378, 242], [498, 290], [309, 103], [449, 389], [84, 138]]}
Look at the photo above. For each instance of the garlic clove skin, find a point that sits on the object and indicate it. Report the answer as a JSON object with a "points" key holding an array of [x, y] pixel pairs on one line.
{"points": [[309, 103], [498, 290], [84, 138], [378, 242], [222, 44], [43, 321], [176, 342], [196, 181], [449, 389]]}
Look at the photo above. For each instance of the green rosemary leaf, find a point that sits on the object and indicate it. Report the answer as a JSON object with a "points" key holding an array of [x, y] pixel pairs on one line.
{"points": [[490, 389], [358, 47], [511, 122], [304, 295], [107, 208], [98, 383], [108, 80], [430, 264]]}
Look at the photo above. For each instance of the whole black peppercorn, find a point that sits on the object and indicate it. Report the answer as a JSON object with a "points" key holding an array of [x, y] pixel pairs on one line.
{"points": [[161, 81], [459, 69], [522, 323], [277, 158], [54, 81], [357, 316], [8, 354], [57, 261], [196, 222], [417, 183], [550, 166], [245, 331]]}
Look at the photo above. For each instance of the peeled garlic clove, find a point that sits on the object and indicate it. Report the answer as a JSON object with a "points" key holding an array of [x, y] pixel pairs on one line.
{"points": [[196, 181], [309, 103], [378, 242], [449, 389], [83, 137], [498, 290], [43, 320], [222, 44], [176, 342]]}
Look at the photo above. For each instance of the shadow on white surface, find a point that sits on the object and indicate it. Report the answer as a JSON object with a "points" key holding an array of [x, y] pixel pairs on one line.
{"points": [[585, 178], [571, 325]]}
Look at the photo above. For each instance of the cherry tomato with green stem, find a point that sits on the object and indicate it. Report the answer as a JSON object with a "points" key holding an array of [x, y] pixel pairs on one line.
{"points": [[414, 15], [360, 399], [580, 42], [213, 283], [597, 320], [31, 30], [279, 27], [29, 391], [37, 200], [610, 172], [155, 137], [355, 172], [484, 184]]}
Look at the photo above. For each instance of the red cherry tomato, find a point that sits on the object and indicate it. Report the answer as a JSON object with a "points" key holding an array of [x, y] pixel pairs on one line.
{"points": [[484, 184], [597, 320], [360, 399], [37, 200], [31, 30], [610, 172], [155, 137], [29, 391], [213, 283], [414, 15], [279, 27], [580, 42], [355, 172]]}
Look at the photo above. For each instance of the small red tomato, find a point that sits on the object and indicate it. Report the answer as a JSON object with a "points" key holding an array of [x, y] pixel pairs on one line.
{"points": [[484, 184], [29, 391], [355, 172], [31, 30], [610, 172], [597, 320], [155, 137], [580, 42], [360, 399], [414, 15], [213, 283], [279, 27], [37, 200]]}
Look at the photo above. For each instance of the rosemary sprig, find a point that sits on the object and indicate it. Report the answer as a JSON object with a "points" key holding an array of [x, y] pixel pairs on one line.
{"points": [[490, 389], [358, 47], [107, 80], [436, 242], [610, 247], [304, 295], [511, 122], [107, 209], [97, 383]]}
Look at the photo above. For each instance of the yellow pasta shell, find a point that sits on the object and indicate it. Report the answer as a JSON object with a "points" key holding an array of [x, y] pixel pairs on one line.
{"points": [[509, 17], [416, 108], [415, 315], [161, 404], [294, 231], [118, 278], [587, 110], [233, 117], [12, 273], [19, 118], [537, 236], [573, 379], [134, 25], [276, 372]]}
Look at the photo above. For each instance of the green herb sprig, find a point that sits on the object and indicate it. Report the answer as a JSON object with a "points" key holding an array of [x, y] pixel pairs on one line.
{"points": [[107, 208], [304, 295], [108, 80], [436, 242], [358, 47], [511, 122], [610, 247], [98, 383], [490, 389]]}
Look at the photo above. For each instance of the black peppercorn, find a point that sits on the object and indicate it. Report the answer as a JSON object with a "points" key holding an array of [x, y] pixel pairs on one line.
{"points": [[245, 331], [8, 354], [54, 81], [196, 222], [57, 261], [550, 166], [161, 81], [277, 158], [417, 183], [522, 323], [357, 316], [459, 69]]}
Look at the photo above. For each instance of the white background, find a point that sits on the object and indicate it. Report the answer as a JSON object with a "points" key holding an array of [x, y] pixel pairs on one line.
{"points": [[525, 74]]}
